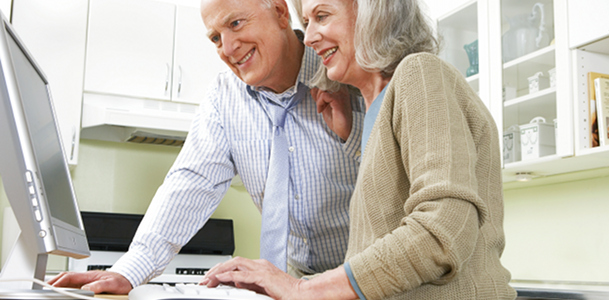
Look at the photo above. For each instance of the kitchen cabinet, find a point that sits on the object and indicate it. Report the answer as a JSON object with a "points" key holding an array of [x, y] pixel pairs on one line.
{"points": [[5, 7], [465, 38], [590, 21], [509, 60], [148, 49], [55, 34], [531, 42]]}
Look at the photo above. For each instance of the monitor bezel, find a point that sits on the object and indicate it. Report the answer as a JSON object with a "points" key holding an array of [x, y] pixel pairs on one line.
{"points": [[49, 235]]}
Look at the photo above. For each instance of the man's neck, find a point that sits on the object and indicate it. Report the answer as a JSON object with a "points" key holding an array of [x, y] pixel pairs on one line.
{"points": [[292, 61]]}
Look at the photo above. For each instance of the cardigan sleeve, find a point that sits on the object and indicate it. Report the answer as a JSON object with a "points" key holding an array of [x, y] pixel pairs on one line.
{"points": [[431, 126]]}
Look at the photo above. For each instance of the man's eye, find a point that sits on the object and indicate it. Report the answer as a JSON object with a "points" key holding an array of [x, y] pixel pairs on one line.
{"points": [[214, 39], [320, 18], [235, 23]]}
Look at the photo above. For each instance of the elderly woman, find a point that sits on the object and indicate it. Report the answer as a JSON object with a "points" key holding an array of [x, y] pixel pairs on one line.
{"points": [[427, 212]]}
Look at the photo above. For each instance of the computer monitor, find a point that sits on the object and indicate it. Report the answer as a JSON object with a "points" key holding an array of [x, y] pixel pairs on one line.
{"points": [[33, 168]]}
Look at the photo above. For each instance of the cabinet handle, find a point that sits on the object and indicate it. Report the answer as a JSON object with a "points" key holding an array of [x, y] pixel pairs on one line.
{"points": [[73, 143], [179, 80], [167, 77]]}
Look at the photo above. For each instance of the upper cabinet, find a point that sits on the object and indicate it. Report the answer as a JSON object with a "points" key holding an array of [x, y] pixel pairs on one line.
{"points": [[148, 49], [120, 70], [55, 33], [465, 43], [531, 85], [533, 61], [591, 23]]}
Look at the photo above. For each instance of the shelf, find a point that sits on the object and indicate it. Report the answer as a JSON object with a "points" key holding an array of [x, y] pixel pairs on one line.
{"points": [[523, 109], [554, 164], [544, 56], [600, 46], [474, 82], [545, 95]]}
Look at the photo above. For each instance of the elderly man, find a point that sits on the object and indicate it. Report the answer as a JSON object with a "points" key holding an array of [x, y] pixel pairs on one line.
{"points": [[261, 122]]}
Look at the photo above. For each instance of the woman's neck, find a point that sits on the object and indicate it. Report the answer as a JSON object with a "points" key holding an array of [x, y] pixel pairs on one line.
{"points": [[372, 86]]}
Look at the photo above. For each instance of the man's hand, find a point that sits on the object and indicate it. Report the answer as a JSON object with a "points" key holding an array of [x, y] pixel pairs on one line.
{"points": [[95, 281], [336, 110]]}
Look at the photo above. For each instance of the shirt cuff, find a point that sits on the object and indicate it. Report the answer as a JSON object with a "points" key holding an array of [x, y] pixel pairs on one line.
{"points": [[134, 268], [353, 144], [353, 282]]}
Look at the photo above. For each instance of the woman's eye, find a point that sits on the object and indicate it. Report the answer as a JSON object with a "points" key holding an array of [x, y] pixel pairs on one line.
{"points": [[320, 18]]}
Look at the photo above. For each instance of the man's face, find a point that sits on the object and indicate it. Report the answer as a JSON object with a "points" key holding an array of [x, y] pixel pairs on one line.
{"points": [[249, 37]]}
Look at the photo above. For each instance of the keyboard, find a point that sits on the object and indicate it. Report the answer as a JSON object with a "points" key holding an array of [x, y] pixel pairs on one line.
{"points": [[192, 291]]}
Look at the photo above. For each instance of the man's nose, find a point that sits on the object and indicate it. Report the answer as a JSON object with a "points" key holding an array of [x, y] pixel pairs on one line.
{"points": [[230, 44]]}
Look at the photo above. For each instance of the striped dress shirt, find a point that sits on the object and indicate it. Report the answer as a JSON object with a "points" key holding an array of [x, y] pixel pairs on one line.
{"points": [[232, 135]]}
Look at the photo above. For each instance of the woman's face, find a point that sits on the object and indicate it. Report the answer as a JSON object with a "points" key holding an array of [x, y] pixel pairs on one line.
{"points": [[329, 29]]}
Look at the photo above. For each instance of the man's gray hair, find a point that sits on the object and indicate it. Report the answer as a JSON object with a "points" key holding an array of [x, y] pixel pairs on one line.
{"points": [[268, 3]]}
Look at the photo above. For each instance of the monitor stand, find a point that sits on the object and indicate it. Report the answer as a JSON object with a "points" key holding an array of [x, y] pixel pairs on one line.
{"points": [[24, 262]]}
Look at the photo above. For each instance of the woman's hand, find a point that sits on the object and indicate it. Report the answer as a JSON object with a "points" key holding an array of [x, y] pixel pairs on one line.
{"points": [[257, 275], [263, 277], [336, 110]]}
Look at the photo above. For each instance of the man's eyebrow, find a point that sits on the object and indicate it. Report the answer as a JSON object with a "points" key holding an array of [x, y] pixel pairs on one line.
{"points": [[223, 23]]}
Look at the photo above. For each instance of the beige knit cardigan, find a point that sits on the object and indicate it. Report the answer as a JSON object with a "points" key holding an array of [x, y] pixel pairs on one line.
{"points": [[427, 211]]}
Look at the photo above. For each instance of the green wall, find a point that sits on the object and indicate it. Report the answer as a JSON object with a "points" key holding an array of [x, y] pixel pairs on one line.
{"points": [[123, 177], [556, 227]]}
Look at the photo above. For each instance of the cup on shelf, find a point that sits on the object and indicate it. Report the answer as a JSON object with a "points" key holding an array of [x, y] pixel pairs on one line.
{"points": [[511, 144], [526, 33], [537, 139], [472, 54], [552, 74], [509, 92], [538, 82]]}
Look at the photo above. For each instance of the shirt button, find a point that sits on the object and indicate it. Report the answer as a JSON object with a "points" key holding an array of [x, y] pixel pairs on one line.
{"points": [[291, 149], [297, 197], [306, 242], [358, 153]]}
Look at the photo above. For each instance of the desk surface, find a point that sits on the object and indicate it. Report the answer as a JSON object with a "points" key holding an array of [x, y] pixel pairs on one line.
{"points": [[102, 296]]}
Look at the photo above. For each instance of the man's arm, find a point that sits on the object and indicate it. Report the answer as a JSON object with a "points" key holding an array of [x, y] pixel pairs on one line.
{"points": [[189, 195]]}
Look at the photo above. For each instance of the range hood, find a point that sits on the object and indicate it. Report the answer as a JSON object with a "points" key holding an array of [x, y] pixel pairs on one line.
{"points": [[124, 119]]}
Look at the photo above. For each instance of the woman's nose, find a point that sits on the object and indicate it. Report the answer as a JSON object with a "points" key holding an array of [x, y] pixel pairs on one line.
{"points": [[312, 36]]}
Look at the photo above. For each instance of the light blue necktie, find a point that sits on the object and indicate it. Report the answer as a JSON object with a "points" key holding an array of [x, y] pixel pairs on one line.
{"points": [[275, 206]]}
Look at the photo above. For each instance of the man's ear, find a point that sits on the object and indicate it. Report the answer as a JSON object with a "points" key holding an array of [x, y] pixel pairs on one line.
{"points": [[283, 13]]}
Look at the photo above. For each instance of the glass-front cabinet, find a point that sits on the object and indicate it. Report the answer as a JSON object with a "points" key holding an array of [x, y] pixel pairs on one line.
{"points": [[531, 69], [531, 88], [464, 34]]}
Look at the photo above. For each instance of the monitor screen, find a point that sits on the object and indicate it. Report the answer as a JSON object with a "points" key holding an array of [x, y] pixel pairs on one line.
{"points": [[33, 167], [44, 137]]}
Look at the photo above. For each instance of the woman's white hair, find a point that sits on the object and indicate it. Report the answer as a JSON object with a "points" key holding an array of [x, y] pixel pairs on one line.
{"points": [[386, 31]]}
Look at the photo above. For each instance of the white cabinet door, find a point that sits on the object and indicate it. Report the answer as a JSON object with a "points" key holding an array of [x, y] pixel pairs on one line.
{"points": [[5, 7], [55, 33], [196, 62], [589, 21], [130, 48]]}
